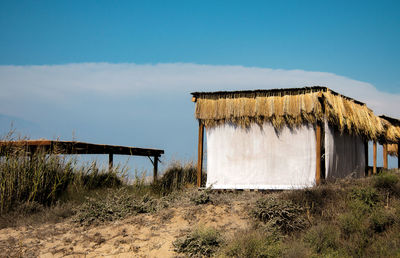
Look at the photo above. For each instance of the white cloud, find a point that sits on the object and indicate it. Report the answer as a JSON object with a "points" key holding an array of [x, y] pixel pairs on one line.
{"points": [[62, 83]]}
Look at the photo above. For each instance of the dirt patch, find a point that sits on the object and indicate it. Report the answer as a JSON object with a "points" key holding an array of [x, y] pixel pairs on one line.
{"points": [[142, 235]]}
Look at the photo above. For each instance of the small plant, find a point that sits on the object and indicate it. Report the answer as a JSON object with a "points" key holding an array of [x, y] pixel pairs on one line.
{"points": [[350, 223], [385, 180], [202, 197], [381, 220], [176, 177], [253, 244], [282, 215], [388, 182], [112, 205], [366, 195], [323, 238], [201, 242], [314, 199]]}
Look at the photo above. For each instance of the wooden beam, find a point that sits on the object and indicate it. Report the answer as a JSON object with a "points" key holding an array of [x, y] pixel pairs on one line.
{"points": [[200, 154], [70, 147], [375, 156], [318, 154], [155, 169], [110, 161], [367, 173], [385, 156]]}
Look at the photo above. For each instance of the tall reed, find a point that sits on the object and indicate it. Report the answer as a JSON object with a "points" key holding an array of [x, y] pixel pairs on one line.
{"points": [[38, 178]]}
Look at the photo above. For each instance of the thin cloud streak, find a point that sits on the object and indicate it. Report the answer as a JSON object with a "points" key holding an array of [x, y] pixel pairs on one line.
{"points": [[59, 84]]}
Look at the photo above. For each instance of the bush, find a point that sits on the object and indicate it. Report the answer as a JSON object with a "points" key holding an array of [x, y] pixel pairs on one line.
{"points": [[381, 220], [282, 215], [253, 244], [367, 195], [315, 199], [176, 177], [323, 238], [112, 205], [350, 224], [202, 197], [388, 181], [200, 242]]}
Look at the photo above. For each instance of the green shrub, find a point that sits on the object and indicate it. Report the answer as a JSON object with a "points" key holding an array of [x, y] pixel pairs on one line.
{"points": [[278, 214], [350, 223], [388, 181], [381, 220], [253, 244], [201, 242], [323, 238], [367, 195]]}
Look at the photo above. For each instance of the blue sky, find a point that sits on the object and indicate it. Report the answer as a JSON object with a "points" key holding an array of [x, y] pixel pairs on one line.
{"points": [[56, 45]]}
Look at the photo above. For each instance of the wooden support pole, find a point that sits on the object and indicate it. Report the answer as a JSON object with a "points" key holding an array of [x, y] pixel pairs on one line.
{"points": [[318, 155], [155, 169], [398, 154], [375, 156], [110, 161], [385, 156], [200, 154], [367, 173]]}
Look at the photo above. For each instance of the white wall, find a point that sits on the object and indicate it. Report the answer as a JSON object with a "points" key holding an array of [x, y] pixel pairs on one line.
{"points": [[260, 158], [344, 154]]}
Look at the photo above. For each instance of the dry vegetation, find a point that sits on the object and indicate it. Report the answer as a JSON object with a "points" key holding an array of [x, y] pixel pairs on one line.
{"points": [[292, 108], [52, 208]]}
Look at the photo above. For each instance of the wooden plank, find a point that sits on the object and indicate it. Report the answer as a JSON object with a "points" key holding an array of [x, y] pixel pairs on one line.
{"points": [[318, 155], [155, 169], [375, 156], [385, 156], [366, 158], [200, 154], [110, 161]]}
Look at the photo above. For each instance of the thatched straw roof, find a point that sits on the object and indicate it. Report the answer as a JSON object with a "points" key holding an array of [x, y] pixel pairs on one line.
{"points": [[392, 129], [287, 107]]}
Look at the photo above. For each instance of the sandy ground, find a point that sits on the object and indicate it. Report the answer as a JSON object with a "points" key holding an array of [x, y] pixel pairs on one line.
{"points": [[143, 235]]}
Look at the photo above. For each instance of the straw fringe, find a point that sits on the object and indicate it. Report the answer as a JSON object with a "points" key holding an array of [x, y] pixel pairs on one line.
{"points": [[290, 110], [392, 149], [391, 132]]}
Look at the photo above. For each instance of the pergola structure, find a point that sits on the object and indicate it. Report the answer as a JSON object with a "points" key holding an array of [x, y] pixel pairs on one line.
{"points": [[74, 147]]}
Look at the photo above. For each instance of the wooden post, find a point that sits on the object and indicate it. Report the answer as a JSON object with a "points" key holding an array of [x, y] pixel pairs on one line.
{"points": [[318, 155], [398, 154], [200, 154], [385, 156], [375, 150], [367, 173], [155, 169], [110, 161]]}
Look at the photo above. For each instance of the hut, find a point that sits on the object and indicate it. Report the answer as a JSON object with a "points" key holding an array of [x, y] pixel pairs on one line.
{"points": [[282, 138]]}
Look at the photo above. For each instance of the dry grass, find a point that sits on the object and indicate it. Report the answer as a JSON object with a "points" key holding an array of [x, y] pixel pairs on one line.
{"points": [[393, 149], [392, 133], [289, 110]]}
